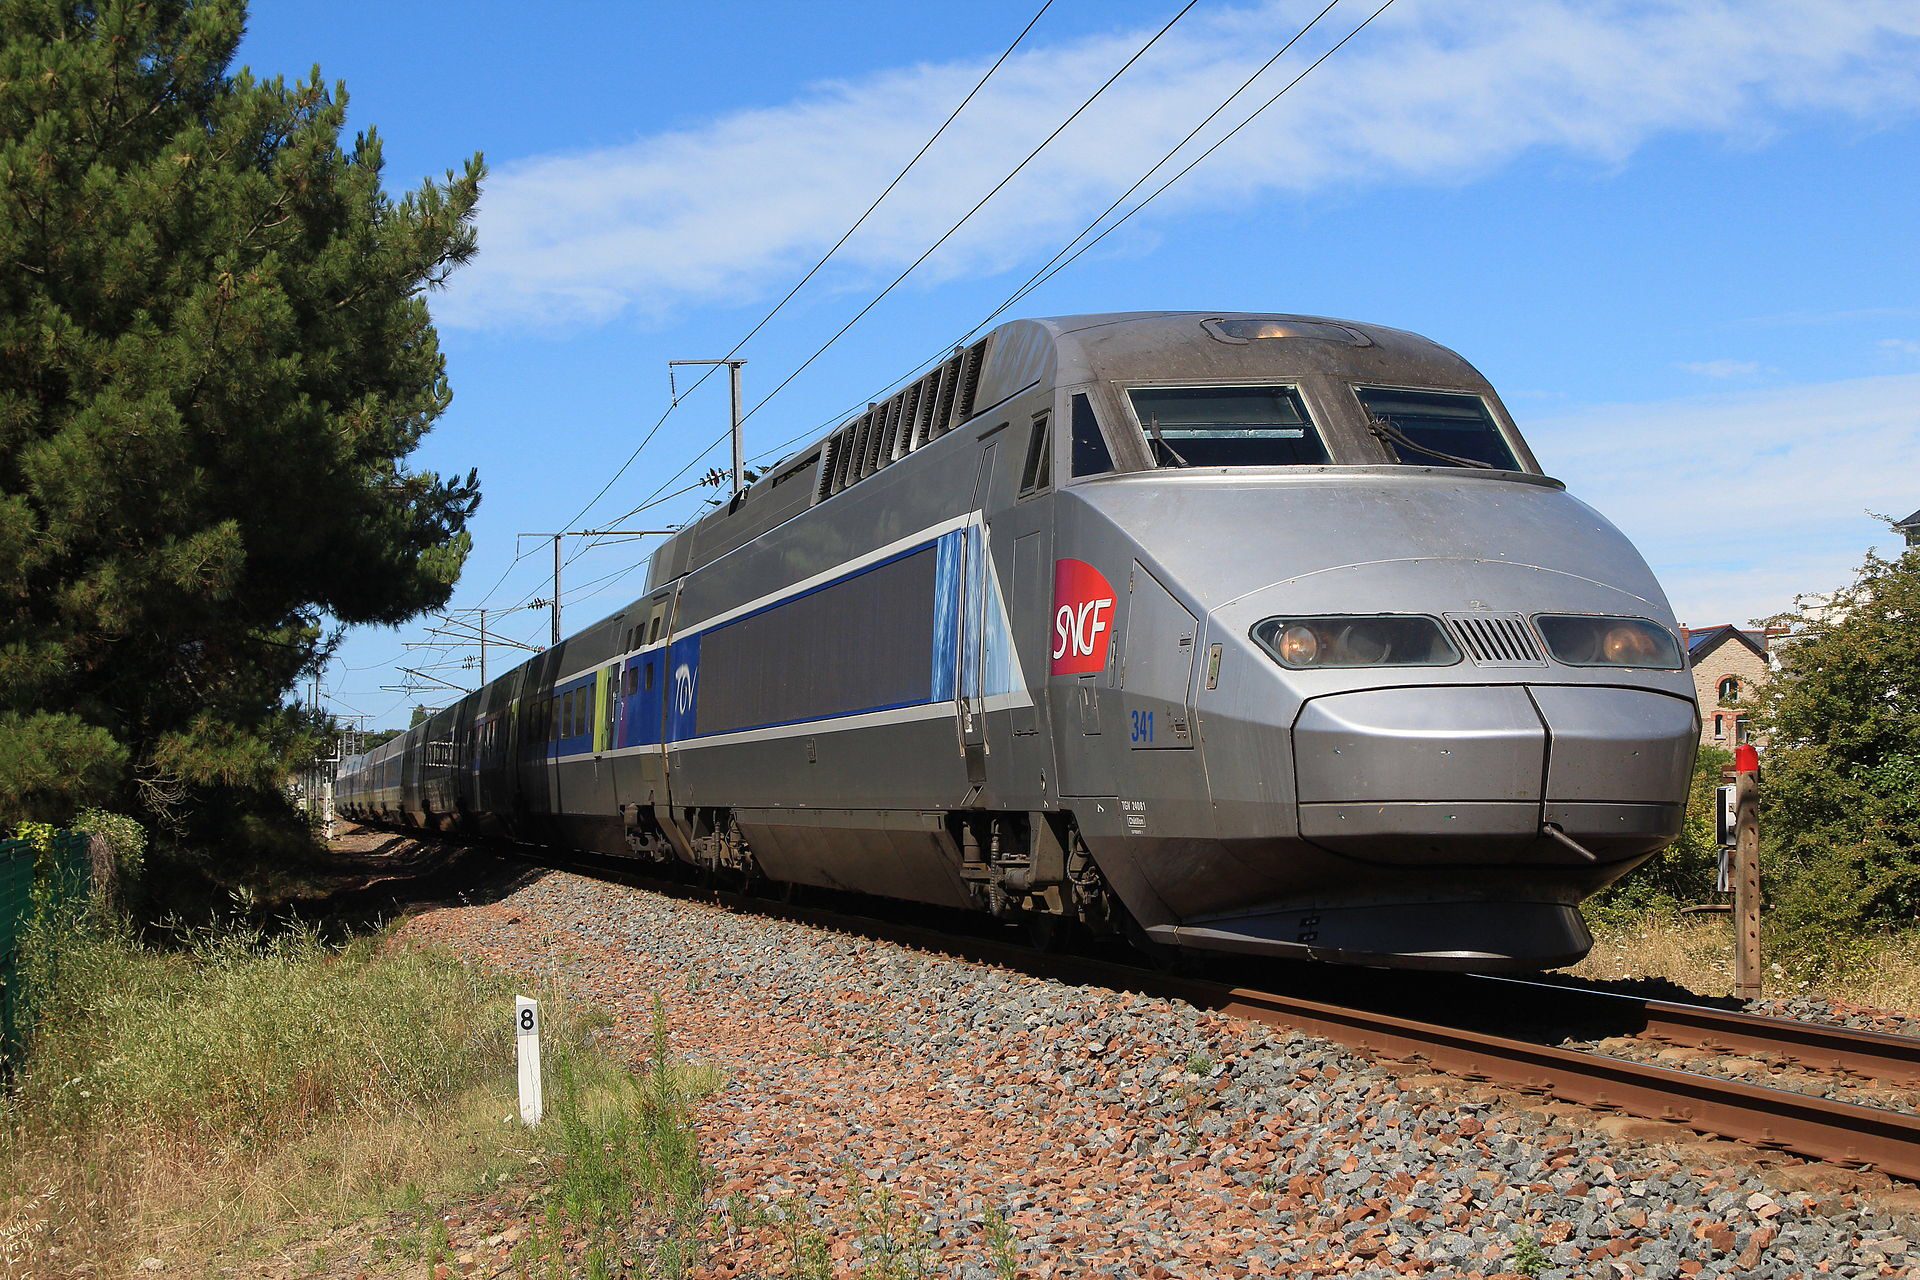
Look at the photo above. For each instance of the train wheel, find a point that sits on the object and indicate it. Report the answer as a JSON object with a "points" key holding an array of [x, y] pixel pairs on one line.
{"points": [[1044, 932]]}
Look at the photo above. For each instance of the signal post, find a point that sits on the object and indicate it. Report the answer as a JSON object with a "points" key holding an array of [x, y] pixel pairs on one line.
{"points": [[1739, 826]]}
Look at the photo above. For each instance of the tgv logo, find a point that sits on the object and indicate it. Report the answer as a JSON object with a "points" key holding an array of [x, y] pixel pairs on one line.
{"points": [[1083, 603], [682, 689]]}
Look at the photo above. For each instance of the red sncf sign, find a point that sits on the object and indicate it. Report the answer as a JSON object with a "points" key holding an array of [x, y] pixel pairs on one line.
{"points": [[1083, 603]]}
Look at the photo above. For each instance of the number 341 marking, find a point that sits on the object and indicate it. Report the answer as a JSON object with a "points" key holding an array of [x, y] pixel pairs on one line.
{"points": [[1142, 726]]}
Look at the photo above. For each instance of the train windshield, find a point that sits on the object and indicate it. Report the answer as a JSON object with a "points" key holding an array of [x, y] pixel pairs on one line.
{"points": [[1227, 426], [1436, 428]]}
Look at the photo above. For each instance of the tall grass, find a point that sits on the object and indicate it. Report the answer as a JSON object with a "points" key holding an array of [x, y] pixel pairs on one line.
{"points": [[1877, 969], [174, 1100], [245, 1090], [627, 1161]]}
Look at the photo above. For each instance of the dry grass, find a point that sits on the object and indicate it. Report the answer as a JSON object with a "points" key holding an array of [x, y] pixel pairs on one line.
{"points": [[178, 1102], [225, 1103], [1697, 953]]}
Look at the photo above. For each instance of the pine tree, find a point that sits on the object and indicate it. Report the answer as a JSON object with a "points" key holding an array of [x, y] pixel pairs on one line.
{"points": [[215, 358]]}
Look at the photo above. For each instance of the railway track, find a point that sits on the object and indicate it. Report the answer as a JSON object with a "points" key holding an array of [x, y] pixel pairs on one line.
{"points": [[1374, 1017]]}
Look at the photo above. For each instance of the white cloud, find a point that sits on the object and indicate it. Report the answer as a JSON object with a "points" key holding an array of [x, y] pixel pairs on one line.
{"points": [[1720, 368], [1441, 92], [1900, 346], [1740, 500]]}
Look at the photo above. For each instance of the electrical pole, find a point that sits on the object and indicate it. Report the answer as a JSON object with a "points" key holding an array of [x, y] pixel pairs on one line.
{"points": [[557, 563], [468, 633], [733, 379]]}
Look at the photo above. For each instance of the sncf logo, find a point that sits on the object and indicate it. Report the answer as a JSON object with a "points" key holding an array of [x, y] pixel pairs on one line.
{"points": [[1083, 604], [682, 689]]}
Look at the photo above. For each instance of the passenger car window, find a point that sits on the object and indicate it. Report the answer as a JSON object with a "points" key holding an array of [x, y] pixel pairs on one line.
{"points": [[1090, 454], [1436, 428], [1227, 426]]}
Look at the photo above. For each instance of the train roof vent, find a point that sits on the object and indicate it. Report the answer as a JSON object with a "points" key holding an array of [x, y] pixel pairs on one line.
{"points": [[1496, 639], [889, 430]]}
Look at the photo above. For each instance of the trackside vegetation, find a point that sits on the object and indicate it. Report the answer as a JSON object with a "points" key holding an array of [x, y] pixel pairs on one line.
{"points": [[1839, 809], [215, 360], [1842, 773], [241, 1091]]}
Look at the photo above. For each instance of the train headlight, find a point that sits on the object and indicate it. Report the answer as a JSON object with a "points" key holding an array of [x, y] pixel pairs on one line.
{"points": [[1374, 640], [1609, 642], [1299, 646]]}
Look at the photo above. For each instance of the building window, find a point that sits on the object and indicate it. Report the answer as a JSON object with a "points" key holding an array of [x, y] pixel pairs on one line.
{"points": [[1730, 689], [1741, 731], [1719, 727]]}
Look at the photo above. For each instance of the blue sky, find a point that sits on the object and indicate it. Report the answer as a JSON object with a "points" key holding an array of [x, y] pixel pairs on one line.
{"points": [[1679, 237]]}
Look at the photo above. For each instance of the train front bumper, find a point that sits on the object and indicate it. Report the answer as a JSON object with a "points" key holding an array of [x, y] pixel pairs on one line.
{"points": [[1472, 775]]}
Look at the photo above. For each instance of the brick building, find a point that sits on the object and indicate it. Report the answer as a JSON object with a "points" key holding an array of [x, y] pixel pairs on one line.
{"points": [[1729, 666]]}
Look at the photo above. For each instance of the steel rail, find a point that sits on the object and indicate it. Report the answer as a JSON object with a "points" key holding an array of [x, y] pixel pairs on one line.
{"points": [[1821, 1128], [1877, 1054], [1817, 1128]]}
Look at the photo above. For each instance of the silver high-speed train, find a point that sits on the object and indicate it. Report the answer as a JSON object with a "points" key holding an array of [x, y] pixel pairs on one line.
{"points": [[1253, 633]]}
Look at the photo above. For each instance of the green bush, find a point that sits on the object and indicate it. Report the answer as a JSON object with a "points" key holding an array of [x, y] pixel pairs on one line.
{"points": [[1679, 875], [127, 837], [1840, 786]]}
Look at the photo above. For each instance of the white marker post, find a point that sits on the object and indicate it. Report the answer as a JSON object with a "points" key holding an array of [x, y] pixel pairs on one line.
{"points": [[526, 1038]]}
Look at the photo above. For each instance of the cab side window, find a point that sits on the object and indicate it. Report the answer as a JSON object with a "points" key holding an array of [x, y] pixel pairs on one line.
{"points": [[1038, 473], [1090, 454]]}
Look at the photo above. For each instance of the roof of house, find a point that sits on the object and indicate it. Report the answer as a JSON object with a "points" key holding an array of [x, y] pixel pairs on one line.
{"points": [[1702, 639], [1909, 522]]}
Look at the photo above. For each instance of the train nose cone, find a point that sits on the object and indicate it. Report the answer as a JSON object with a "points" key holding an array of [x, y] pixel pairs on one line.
{"points": [[1468, 775], [1421, 775], [1618, 767]]}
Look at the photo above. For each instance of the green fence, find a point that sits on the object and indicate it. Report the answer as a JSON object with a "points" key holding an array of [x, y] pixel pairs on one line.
{"points": [[68, 873]]}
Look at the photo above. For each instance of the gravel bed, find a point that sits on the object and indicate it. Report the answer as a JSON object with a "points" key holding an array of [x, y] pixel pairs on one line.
{"points": [[1837, 1013], [899, 1101]]}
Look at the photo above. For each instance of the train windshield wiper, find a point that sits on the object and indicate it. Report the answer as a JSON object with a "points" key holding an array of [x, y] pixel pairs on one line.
{"points": [[1392, 435], [1153, 429]]}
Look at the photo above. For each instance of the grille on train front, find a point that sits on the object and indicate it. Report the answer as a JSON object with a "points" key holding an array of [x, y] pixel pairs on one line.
{"points": [[1496, 639]]}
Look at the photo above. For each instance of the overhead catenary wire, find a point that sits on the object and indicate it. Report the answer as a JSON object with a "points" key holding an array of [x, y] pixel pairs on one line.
{"points": [[1057, 264], [948, 234], [1048, 270], [1041, 274], [1036, 282], [968, 215], [815, 269], [674, 402]]}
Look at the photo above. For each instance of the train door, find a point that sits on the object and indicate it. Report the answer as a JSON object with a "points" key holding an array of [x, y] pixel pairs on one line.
{"points": [[1017, 736], [1157, 678], [559, 726], [977, 615], [662, 623]]}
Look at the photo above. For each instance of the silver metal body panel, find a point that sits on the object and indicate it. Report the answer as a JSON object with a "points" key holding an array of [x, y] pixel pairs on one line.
{"points": [[913, 621]]}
